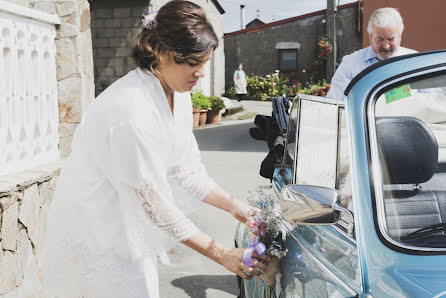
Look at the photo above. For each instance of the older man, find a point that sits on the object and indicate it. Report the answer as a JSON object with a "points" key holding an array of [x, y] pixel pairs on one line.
{"points": [[385, 28]]}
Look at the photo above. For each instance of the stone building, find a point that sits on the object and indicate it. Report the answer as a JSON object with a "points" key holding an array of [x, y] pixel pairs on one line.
{"points": [[290, 45], [115, 25]]}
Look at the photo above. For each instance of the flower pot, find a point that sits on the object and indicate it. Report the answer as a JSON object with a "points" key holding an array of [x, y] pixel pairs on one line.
{"points": [[203, 116], [212, 117], [196, 117]]}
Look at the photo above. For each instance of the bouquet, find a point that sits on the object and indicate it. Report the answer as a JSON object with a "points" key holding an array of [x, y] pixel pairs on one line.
{"points": [[267, 229]]}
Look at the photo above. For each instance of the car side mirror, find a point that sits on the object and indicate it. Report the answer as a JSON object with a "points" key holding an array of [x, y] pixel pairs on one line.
{"points": [[312, 205]]}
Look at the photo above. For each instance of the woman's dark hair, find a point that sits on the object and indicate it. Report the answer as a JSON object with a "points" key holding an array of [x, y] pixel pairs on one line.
{"points": [[182, 32]]}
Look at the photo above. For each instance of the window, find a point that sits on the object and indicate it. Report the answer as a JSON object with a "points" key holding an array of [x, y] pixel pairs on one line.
{"points": [[408, 142], [288, 60], [322, 157], [317, 143]]}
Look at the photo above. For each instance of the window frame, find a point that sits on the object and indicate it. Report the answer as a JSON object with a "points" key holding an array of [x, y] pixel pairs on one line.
{"points": [[341, 227], [375, 169], [279, 60]]}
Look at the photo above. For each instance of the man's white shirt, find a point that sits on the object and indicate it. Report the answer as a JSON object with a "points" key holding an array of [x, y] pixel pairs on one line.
{"points": [[352, 65]]}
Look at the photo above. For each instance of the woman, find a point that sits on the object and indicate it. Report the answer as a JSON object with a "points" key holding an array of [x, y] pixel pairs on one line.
{"points": [[135, 171], [240, 82]]}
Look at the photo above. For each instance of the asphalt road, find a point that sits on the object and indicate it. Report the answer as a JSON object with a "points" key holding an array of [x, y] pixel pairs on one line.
{"points": [[232, 158]]}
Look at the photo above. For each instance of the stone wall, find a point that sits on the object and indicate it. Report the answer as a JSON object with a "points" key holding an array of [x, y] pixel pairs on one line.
{"points": [[257, 49], [25, 199], [74, 62], [115, 25]]}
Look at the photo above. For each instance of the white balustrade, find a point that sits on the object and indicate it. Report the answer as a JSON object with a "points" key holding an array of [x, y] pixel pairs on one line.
{"points": [[29, 117]]}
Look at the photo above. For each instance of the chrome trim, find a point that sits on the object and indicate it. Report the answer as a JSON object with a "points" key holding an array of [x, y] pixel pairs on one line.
{"points": [[320, 264], [348, 214], [376, 169], [334, 101], [299, 100], [342, 232]]}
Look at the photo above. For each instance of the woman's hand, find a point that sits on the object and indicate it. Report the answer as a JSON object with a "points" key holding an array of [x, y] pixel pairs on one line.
{"points": [[232, 260], [244, 213]]}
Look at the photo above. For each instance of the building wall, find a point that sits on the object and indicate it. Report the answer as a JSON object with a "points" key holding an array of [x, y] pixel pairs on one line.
{"points": [[422, 19], [115, 25], [257, 49]]}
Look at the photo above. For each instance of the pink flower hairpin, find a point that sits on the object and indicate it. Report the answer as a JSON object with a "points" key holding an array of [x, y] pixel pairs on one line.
{"points": [[149, 21]]}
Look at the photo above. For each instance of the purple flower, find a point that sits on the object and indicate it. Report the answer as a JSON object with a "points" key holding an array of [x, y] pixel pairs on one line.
{"points": [[149, 21]]}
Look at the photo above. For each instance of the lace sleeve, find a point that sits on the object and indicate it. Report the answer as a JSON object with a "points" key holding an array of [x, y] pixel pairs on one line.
{"points": [[195, 180], [138, 171], [163, 214], [189, 172]]}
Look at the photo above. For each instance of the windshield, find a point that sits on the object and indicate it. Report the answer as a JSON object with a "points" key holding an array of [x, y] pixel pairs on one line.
{"points": [[410, 130]]}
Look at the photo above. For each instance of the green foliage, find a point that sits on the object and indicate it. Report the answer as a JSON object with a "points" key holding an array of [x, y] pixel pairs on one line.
{"points": [[230, 93], [200, 101], [216, 103], [260, 88], [319, 88], [324, 48]]}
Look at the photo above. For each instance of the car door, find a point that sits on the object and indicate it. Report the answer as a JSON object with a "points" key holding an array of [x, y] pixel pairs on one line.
{"points": [[322, 261]]}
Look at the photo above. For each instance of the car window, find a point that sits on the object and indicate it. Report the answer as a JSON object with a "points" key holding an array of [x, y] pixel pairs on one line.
{"points": [[317, 144], [409, 145]]}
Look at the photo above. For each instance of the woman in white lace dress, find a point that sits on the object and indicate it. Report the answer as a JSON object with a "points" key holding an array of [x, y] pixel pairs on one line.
{"points": [[135, 172]]}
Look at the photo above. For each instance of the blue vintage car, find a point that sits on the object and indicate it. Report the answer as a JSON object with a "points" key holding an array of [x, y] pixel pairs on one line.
{"points": [[362, 187]]}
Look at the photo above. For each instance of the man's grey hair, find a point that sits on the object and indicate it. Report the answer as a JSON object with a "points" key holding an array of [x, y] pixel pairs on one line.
{"points": [[386, 17]]}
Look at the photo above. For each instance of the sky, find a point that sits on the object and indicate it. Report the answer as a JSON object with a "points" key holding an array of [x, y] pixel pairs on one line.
{"points": [[268, 10]]}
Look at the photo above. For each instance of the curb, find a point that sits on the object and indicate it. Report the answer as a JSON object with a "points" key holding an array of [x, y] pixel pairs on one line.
{"points": [[232, 111]]}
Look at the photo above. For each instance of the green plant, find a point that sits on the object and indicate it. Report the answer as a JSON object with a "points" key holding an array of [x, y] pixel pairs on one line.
{"points": [[200, 101], [318, 65], [216, 103], [258, 88], [272, 85], [315, 88], [230, 93]]}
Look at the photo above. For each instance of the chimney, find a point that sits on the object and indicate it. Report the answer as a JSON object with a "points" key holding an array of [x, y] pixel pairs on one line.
{"points": [[242, 17]]}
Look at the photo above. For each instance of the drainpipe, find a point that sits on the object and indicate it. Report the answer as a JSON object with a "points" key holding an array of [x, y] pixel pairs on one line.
{"points": [[331, 36], [242, 17]]}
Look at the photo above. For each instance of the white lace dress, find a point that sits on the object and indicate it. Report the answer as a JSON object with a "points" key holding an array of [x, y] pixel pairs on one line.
{"points": [[123, 194]]}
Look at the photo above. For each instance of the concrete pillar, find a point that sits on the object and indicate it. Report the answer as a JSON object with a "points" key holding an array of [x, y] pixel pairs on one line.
{"points": [[331, 36]]}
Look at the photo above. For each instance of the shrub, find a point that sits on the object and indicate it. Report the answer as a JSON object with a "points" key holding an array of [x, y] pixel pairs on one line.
{"points": [[258, 88], [216, 103], [230, 93], [200, 101]]}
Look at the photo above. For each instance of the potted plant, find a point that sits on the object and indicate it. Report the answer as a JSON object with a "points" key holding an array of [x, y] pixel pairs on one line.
{"points": [[201, 103], [217, 104], [195, 110]]}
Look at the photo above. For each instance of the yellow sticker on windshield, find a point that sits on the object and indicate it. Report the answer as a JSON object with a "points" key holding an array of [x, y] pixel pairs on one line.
{"points": [[398, 93]]}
